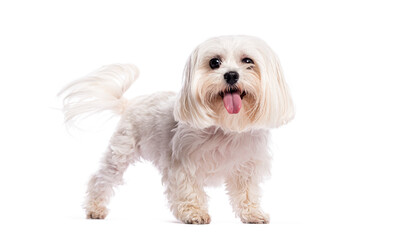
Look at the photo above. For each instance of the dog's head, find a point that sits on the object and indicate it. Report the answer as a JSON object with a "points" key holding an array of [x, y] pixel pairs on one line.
{"points": [[235, 83]]}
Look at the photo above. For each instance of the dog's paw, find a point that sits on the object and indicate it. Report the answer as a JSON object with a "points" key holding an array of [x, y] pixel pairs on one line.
{"points": [[255, 217], [96, 212], [195, 216]]}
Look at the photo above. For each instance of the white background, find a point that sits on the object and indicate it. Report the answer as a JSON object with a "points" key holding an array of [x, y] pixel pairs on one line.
{"points": [[335, 170]]}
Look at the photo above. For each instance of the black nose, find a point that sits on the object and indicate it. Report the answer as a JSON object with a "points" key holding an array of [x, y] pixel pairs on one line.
{"points": [[231, 77]]}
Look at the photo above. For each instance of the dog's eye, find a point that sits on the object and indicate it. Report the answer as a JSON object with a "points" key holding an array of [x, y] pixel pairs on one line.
{"points": [[247, 60], [215, 63]]}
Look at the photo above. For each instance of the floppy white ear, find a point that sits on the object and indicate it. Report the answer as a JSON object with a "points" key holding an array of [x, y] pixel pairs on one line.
{"points": [[188, 107], [278, 106]]}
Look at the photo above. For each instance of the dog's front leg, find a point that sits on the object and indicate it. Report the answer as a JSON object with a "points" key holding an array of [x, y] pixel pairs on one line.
{"points": [[186, 196], [244, 191]]}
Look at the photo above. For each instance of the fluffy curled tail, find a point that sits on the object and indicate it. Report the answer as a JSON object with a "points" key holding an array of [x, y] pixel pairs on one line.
{"points": [[101, 90]]}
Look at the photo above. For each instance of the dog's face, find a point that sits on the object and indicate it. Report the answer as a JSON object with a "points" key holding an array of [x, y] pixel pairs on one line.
{"points": [[235, 83]]}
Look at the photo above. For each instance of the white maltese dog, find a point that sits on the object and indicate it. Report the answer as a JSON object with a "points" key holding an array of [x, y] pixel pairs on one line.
{"points": [[214, 131]]}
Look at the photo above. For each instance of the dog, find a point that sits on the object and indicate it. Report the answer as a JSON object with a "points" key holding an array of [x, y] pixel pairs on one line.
{"points": [[214, 131]]}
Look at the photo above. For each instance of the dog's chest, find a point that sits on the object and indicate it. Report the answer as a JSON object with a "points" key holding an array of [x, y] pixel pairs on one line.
{"points": [[215, 154]]}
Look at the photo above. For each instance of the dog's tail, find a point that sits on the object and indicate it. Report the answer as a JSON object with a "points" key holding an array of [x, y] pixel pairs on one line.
{"points": [[101, 90]]}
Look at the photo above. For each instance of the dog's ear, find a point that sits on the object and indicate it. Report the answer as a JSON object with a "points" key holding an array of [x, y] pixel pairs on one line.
{"points": [[188, 107], [278, 108]]}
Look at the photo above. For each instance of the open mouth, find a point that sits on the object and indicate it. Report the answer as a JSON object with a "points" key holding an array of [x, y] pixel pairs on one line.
{"points": [[232, 99], [234, 90]]}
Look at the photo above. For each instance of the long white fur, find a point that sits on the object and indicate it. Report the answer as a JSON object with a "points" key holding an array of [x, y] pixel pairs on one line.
{"points": [[99, 91], [190, 137]]}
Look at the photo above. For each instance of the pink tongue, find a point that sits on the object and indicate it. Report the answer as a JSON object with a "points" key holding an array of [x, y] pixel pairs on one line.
{"points": [[232, 102]]}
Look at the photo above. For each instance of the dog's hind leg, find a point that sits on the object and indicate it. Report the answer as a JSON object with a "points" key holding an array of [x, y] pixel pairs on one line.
{"points": [[119, 155]]}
